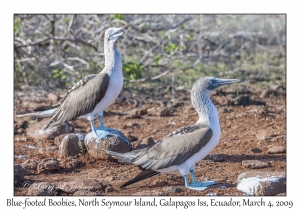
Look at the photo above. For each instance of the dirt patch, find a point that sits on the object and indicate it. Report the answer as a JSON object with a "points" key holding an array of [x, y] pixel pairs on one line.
{"points": [[249, 132]]}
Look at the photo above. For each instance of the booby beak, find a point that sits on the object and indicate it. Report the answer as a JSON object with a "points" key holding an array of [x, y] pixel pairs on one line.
{"points": [[217, 82], [115, 33]]}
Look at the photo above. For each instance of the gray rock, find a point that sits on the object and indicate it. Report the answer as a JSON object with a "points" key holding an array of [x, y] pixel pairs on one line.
{"points": [[217, 158], [69, 146], [37, 130], [255, 164], [48, 165], [165, 112], [281, 139], [87, 184], [41, 189], [18, 174], [86, 193], [69, 163], [116, 141], [277, 150], [262, 183], [30, 164], [109, 189]]}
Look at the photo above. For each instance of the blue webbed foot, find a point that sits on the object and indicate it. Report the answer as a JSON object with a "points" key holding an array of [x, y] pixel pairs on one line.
{"points": [[196, 185]]}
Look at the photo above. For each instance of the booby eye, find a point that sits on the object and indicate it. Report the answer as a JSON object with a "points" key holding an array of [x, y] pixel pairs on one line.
{"points": [[210, 82]]}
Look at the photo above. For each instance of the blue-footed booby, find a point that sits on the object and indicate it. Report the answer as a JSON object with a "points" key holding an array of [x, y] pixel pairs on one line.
{"points": [[94, 93], [186, 146]]}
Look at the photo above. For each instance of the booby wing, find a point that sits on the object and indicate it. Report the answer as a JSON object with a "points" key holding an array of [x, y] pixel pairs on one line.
{"points": [[173, 150], [81, 99]]}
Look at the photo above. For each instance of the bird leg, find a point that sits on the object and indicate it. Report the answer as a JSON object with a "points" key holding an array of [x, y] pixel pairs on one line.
{"points": [[196, 185], [101, 122], [101, 131]]}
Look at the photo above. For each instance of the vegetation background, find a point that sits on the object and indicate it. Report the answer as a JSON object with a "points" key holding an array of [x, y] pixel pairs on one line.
{"points": [[54, 51]]}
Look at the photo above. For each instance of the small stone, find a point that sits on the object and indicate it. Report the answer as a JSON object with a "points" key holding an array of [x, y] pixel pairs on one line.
{"points": [[69, 146], [86, 193], [21, 130], [30, 164], [159, 183], [48, 165], [217, 158], [256, 150], [167, 112], [109, 189], [20, 138], [41, 189], [279, 139], [82, 184], [110, 179], [277, 150], [18, 174], [255, 164], [143, 112], [69, 163]]}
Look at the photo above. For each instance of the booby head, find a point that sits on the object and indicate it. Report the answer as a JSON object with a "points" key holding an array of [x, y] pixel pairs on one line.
{"points": [[207, 84], [112, 34]]}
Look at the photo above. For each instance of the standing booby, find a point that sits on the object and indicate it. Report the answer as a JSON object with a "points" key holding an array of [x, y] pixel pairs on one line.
{"points": [[186, 146], [94, 93]]}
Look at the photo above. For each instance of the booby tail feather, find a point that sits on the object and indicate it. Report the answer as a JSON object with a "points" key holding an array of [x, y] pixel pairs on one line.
{"points": [[141, 176]]}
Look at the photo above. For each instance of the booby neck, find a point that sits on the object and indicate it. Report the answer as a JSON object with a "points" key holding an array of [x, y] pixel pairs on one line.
{"points": [[113, 59], [208, 114]]}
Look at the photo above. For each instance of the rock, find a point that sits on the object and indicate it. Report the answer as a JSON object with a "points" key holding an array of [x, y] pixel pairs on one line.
{"points": [[37, 130], [21, 130], [277, 150], [255, 164], [159, 183], [58, 139], [146, 143], [87, 184], [262, 183], [20, 138], [48, 165], [265, 135], [18, 174], [48, 150], [268, 93], [217, 158], [29, 164], [86, 193], [143, 112], [69, 146], [116, 141], [41, 189], [167, 112], [109, 189], [174, 189], [281, 139], [175, 104], [69, 163], [110, 179], [150, 193], [256, 150], [53, 97]]}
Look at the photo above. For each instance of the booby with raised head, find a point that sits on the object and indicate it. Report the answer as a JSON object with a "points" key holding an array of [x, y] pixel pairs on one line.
{"points": [[186, 146], [94, 93]]}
